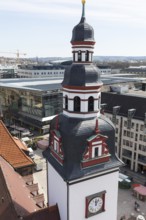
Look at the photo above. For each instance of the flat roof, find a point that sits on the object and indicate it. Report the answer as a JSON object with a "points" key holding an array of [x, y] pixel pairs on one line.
{"points": [[54, 83], [38, 84]]}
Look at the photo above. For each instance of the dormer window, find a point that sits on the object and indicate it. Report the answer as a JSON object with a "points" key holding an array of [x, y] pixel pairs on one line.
{"points": [[77, 104], [96, 151], [90, 104], [55, 146]]}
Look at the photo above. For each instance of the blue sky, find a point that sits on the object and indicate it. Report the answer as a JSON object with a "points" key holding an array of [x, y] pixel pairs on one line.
{"points": [[44, 27]]}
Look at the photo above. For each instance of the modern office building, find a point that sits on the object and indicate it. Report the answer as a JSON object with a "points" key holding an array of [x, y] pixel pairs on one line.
{"points": [[33, 103]]}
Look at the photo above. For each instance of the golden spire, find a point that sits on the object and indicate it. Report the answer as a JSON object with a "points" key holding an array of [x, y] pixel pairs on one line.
{"points": [[83, 9]]}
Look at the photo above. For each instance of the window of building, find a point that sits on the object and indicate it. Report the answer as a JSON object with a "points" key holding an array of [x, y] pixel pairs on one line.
{"points": [[56, 146], [87, 55], [90, 104], [74, 56], [77, 104], [141, 137], [66, 102], [96, 151], [141, 127], [136, 135], [125, 123], [79, 56]]}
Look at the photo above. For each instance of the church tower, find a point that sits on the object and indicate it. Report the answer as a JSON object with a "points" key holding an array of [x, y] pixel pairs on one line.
{"points": [[82, 165]]}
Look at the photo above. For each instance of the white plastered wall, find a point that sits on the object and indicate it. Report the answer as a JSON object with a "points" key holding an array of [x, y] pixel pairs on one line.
{"points": [[78, 192], [57, 190]]}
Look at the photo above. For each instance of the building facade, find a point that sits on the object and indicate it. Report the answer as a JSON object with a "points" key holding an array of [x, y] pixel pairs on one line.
{"points": [[128, 112], [40, 71], [33, 104]]}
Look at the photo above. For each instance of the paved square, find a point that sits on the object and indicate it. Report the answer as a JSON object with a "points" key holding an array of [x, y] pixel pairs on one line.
{"points": [[126, 204]]}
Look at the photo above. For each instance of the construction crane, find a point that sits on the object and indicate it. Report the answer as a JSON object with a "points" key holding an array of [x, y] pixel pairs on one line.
{"points": [[17, 53]]}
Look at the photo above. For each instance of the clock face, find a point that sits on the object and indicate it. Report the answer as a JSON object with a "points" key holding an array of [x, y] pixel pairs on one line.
{"points": [[95, 204]]}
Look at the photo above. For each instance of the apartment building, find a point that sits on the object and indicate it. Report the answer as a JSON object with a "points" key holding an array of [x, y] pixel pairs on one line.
{"points": [[128, 113]]}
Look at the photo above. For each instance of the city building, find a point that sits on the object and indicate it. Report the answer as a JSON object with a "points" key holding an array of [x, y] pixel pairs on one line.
{"points": [[128, 113], [40, 71], [7, 72], [32, 103], [82, 166], [104, 69], [139, 71]]}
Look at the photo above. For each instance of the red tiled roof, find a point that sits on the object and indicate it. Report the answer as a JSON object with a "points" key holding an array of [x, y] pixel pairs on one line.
{"points": [[19, 193], [10, 150], [20, 144], [49, 213]]}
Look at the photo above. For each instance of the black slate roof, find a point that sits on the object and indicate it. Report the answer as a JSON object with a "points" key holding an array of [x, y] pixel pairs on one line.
{"points": [[82, 32], [126, 101], [81, 75], [74, 133]]}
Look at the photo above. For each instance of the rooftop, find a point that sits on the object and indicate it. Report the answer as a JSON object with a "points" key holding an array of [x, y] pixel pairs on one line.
{"points": [[131, 100], [10, 149], [53, 83], [41, 67], [16, 187]]}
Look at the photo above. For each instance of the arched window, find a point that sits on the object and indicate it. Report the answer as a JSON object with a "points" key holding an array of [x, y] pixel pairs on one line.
{"points": [[79, 56], [77, 104], [90, 104], [87, 55], [66, 102], [74, 56]]}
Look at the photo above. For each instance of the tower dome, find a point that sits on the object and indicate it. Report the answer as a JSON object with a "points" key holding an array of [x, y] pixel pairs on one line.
{"points": [[82, 31]]}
